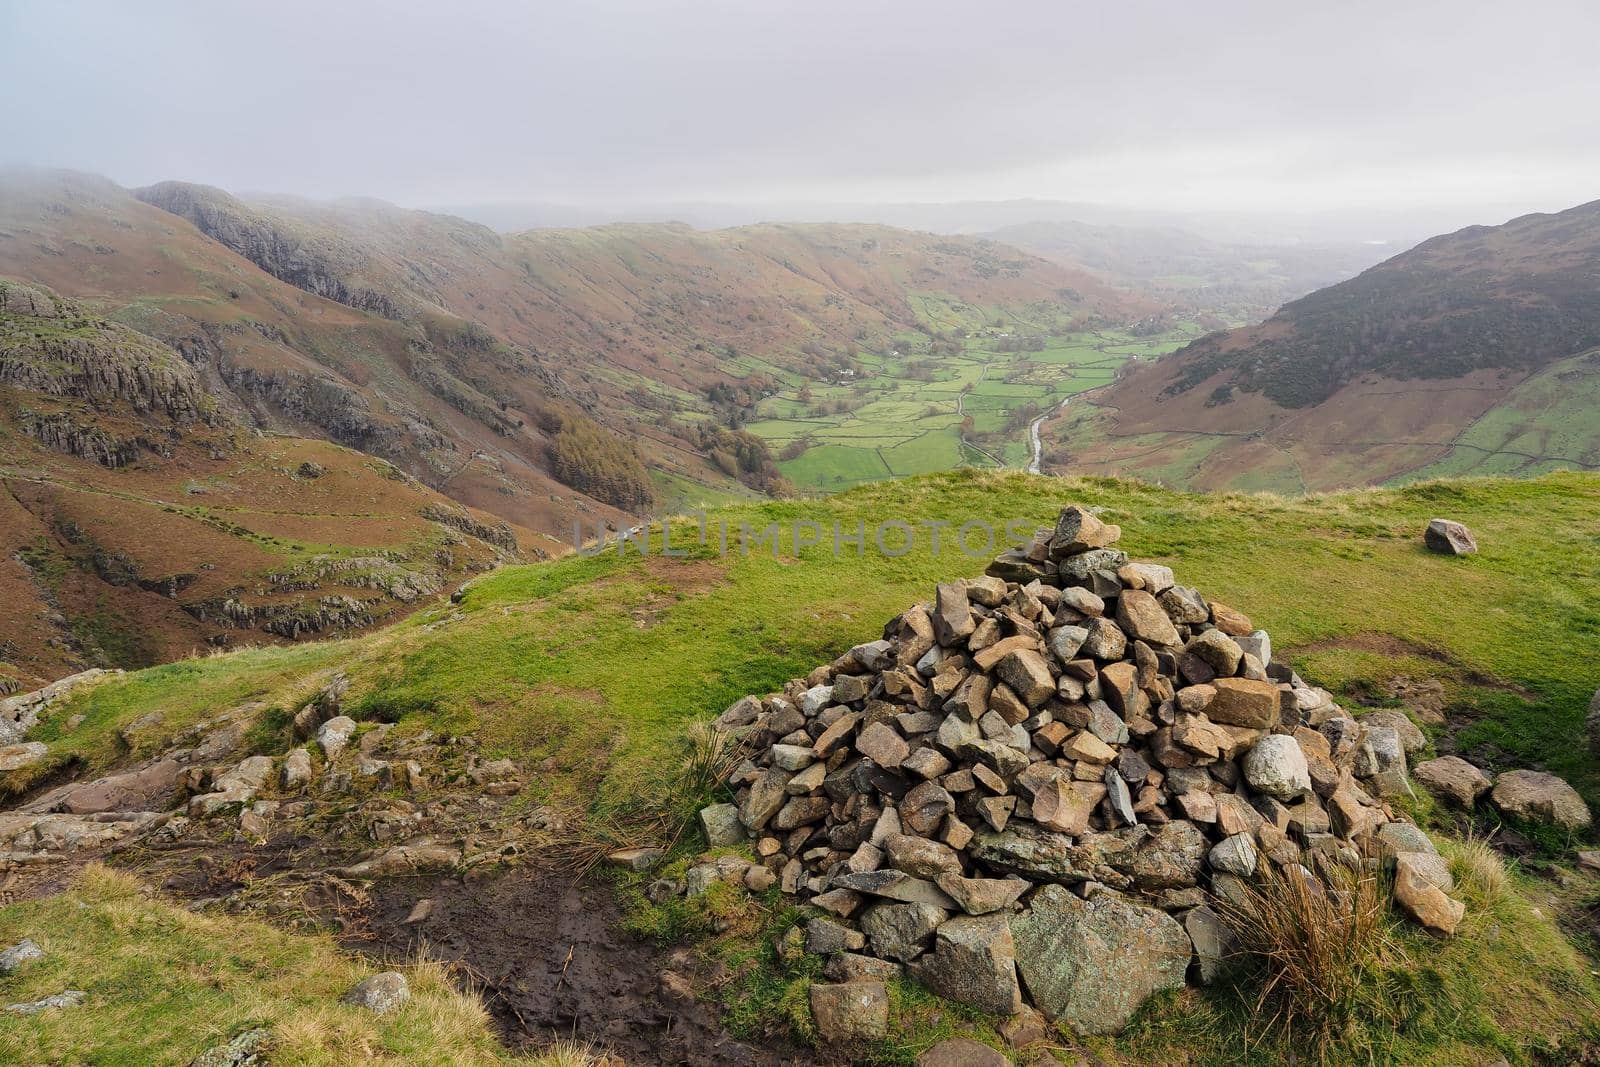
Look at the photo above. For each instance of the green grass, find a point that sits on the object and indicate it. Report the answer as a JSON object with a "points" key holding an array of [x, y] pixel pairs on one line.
{"points": [[598, 660], [1549, 422], [900, 424], [601, 662], [164, 984], [1507, 985]]}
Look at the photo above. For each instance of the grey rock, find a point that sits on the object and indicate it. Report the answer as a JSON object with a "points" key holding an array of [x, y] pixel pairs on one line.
{"points": [[18, 954], [973, 963], [1449, 537], [1093, 963], [244, 1050], [961, 1052], [980, 896], [296, 770], [1234, 855], [22, 754], [334, 735], [1171, 858], [380, 994], [721, 825], [1276, 766], [1540, 797], [65, 999], [901, 931], [1215, 944], [825, 937], [895, 885], [850, 1011], [1454, 779]]}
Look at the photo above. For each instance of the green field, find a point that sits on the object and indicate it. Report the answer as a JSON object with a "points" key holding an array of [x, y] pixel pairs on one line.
{"points": [[904, 414], [1547, 422]]}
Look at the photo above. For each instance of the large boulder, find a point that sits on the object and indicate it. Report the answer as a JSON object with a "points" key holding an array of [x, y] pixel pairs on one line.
{"points": [[1540, 797], [1453, 779], [1449, 538], [1092, 963]]}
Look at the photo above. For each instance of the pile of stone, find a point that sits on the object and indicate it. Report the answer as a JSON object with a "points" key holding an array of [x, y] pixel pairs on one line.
{"points": [[1033, 788]]}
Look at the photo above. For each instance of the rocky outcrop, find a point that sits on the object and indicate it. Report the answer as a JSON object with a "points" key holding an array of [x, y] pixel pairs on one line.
{"points": [[63, 432], [19, 714], [74, 355], [498, 534], [318, 263]]}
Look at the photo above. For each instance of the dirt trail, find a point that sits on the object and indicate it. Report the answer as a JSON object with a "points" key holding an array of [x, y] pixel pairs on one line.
{"points": [[552, 963]]}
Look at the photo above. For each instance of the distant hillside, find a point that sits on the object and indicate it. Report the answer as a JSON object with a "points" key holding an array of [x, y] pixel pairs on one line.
{"points": [[1513, 297], [649, 328], [1475, 352], [548, 377], [142, 520], [1230, 283]]}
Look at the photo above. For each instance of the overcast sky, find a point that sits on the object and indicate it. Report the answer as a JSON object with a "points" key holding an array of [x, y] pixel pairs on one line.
{"points": [[1218, 105]]}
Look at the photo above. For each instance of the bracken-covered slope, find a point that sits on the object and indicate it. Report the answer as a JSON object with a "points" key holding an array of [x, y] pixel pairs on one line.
{"points": [[142, 520], [284, 359], [1469, 353], [649, 328], [547, 377]]}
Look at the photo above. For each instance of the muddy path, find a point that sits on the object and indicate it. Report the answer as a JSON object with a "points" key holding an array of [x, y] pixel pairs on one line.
{"points": [[545, 952], [550, 961]]}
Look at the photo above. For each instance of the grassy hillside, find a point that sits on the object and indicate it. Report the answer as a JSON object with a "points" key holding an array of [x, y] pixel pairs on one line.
{"points": [[590, 668], [596, 661], [660, 331], [1470, 353]]}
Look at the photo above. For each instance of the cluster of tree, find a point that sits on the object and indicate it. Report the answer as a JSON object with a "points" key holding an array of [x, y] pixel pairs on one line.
{"points": [[744, 456], [734, 399], [595, 461], [1031, 343]]}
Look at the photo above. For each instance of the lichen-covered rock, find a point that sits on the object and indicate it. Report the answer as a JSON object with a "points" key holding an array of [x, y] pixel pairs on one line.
{"points": [[380, 994], [850, 1011], [973, 963], [1540, 797], [1093, 963]]}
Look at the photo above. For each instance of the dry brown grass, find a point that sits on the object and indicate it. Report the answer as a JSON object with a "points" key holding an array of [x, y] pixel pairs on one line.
{"points": [[1479, 870], [1317, 945]]}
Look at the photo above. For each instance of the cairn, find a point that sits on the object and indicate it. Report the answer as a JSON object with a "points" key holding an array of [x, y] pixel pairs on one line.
{"points": [[1032, 789]]}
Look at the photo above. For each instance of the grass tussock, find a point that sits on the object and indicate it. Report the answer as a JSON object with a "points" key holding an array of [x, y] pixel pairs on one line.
{"points": [[1479, 870], [1317, 947]]}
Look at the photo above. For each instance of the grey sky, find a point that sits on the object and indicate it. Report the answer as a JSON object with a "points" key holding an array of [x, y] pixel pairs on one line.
{"points": [[1225, 105]]}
